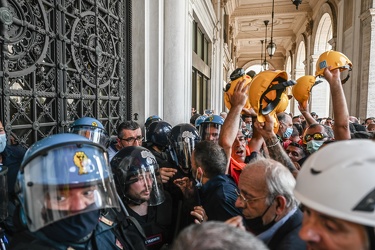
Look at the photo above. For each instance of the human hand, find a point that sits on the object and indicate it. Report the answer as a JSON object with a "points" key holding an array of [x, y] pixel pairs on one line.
{"points": [[200, 214], [332, 76], [239, 96], [167, 173], [249, 112], [265, 128], [303, 107], [236, 221], [186, 186]]}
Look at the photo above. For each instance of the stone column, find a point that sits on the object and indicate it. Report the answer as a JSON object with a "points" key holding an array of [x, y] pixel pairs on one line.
{"points": [[177, 61], [147, 64], [367, 79]]}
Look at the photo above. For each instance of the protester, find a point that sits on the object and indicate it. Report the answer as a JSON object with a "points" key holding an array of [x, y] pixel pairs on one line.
{"points": [[338, 215], [216, 236]]}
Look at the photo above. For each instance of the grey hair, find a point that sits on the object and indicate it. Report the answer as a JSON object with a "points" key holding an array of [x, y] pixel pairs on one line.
{"points": [[279, 180], [215, 235]]}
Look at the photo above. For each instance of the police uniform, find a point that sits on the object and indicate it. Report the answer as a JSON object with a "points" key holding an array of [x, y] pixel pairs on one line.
{"points": [[157, 224], [112, 232]]}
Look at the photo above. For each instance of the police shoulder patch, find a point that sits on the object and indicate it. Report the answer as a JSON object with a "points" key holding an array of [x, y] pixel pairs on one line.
{"points": [[106, 221]]}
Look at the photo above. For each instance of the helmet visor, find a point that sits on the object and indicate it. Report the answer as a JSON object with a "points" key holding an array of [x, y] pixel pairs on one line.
{"points": [[66, 181], [210, 131], [145, 184], [94, 134]]}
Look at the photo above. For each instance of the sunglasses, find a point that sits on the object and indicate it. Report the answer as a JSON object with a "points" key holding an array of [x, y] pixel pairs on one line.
{"points": [[316, 136]]}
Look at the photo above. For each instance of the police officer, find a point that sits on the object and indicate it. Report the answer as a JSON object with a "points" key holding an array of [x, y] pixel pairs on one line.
{"points": [[63, 184], [158, 134], [140, 188], [210, 129], [90, 128]]}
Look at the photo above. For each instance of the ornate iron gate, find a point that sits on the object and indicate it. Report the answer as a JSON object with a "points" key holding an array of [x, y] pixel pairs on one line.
{"points": [[61, 60]]}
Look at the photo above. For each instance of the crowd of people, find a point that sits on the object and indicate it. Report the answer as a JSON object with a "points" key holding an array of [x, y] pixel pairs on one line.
{"points": [[254, 177]]}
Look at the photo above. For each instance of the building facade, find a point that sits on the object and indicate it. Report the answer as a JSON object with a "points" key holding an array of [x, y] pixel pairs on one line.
{"points": [[121, 60]]}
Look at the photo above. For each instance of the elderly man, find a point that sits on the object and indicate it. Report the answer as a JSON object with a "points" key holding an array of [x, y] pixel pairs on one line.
{"points": [[285, 128], [265, 195], [337, 192]]}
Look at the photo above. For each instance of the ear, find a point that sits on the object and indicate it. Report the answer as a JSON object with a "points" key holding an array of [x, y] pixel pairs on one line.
{"points": [[200, 171], [280, 204]]}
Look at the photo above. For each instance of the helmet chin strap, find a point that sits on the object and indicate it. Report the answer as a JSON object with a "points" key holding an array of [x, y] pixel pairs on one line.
{"points": [[134, 201]]}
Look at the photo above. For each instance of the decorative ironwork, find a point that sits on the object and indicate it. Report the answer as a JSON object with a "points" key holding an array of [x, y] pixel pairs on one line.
{"points": [[61, 60]]}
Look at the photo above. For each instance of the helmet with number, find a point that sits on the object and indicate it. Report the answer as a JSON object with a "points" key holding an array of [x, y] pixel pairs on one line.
{"points": [[158, 133], [236, 77], [137, 164], [268, 94], [334, 59], [184, 137], [301, 91], [210, 128], [340, 185], [64, 175], [90, 128], [151, 119], [199, 121]]}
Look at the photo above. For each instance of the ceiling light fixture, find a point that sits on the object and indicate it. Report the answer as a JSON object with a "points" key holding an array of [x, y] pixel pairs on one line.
{"points": [[296, 3], [271, 47], [261, 55], [265, 63]]}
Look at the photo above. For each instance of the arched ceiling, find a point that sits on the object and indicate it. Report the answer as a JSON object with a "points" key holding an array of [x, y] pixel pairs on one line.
{"points": [[248, 28]]}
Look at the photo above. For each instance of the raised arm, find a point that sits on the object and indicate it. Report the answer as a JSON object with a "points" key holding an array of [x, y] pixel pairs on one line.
{"points": [[231, 124], [340, 109], [303, 108], [275, 149]]}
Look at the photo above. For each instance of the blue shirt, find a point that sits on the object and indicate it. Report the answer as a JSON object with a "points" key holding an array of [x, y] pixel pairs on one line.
{"points": [[218, 197]]}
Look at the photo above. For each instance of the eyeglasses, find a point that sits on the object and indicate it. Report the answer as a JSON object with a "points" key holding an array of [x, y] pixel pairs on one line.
{"points": [[247, 200], [131, 140], [316, 136]]}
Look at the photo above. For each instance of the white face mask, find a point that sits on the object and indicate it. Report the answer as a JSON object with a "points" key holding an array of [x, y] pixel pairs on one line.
{"points": [[199, 183], [3, 142]]}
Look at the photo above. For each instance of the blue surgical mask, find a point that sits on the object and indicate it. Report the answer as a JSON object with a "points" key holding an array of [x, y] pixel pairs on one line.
{"points": [[288, 132], [3, 142], [248, 126], [313, 146]]}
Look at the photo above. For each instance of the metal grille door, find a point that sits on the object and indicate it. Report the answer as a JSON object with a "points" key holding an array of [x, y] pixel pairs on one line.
{"points": [[61, 60]]}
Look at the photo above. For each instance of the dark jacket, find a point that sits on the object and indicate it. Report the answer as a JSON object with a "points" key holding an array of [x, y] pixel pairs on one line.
{"points": [[157, 224], [218, 197], [107, 235], [286, 237], [12, 158]]}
